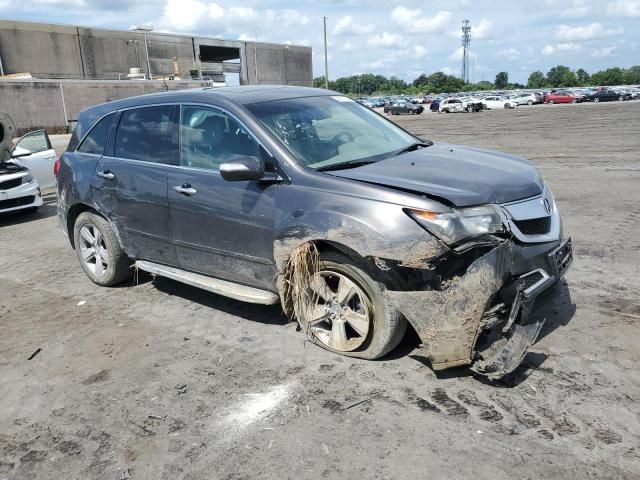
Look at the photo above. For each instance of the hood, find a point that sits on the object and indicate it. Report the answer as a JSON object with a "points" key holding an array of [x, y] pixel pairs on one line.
{"points": [[464, 176]]}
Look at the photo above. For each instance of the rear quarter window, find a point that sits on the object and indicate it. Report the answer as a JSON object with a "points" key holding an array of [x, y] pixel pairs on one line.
{"points": [[96, 139]]}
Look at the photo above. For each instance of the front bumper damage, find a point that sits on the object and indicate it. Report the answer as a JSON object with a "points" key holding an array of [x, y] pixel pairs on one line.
{"points": [[482, 318]]}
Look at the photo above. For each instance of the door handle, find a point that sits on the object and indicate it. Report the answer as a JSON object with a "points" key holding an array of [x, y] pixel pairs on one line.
{"points": [[106, 174], [185, 189]]}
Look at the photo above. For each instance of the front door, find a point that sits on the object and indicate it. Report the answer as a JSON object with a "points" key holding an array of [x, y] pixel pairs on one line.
{"points": [[37, 154], [130, 182], [220, 228]]}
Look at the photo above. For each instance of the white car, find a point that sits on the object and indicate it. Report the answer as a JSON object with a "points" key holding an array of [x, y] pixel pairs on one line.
{"points": [[35, 152], [527, 99], [19, 190], [495, 102], [450, 105]]}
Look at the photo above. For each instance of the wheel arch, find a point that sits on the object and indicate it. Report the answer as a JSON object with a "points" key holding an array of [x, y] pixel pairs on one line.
{"points": [[75, 211]]}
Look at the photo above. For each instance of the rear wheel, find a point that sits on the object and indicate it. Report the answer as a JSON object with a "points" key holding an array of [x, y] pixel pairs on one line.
{"points": [[99, 252], [550, 102], [530, 102], [347, 313]]}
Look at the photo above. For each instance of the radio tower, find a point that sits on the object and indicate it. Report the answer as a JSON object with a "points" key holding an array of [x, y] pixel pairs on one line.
{"points": [[466, 42]]}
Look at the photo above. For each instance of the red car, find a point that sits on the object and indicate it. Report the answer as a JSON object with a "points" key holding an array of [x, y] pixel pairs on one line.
{"points": [[559, 97]]}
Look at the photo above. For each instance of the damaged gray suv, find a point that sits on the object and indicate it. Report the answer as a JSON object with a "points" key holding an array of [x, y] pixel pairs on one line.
{"points": [[306, 198]]}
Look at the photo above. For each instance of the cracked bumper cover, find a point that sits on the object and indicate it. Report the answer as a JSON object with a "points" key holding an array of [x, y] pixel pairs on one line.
{"points": [[450, 321]]}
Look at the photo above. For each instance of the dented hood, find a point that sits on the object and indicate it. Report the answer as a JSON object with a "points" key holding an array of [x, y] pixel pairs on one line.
{"points": [[462, 175]]}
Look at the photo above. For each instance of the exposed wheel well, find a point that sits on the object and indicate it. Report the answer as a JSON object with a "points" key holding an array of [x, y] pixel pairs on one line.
{"points": [[73, 214]]}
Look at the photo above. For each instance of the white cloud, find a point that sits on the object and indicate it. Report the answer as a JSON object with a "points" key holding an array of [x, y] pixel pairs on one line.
{"points": [[561, 48], [449, 71], [456, 55], [510, 54], [347, 26], [571, 8], [415, 21], [624, 8], [585, 32], [484, 29], [387, 40], [603, 52]]}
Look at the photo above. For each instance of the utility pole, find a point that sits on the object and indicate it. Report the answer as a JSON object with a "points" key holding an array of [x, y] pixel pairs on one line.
{"points": [[326, 62], [466, 42]]}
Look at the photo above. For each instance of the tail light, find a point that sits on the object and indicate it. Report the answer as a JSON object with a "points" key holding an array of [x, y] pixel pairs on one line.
{"points": [[56, 166]]}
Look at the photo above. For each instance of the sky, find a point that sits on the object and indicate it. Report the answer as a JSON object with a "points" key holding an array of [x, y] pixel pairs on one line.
{"points": [[390, 37]]}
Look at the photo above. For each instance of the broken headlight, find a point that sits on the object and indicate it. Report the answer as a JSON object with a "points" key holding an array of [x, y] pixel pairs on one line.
{"points": [[458, 224]]}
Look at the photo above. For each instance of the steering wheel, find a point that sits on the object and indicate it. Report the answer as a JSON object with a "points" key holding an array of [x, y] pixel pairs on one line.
{"points": [[336, 140]]}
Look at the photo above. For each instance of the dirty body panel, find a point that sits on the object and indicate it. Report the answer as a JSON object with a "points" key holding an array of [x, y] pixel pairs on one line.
{"points": [[468, 303]]}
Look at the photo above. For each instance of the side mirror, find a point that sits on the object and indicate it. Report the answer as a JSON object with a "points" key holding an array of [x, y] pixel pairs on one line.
{"points": [[242, 169]]}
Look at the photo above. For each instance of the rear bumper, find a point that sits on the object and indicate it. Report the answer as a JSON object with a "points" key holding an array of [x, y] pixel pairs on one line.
{"points": [[483, 318]]}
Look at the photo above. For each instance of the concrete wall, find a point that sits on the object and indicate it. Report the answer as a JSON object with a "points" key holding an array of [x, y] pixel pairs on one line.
{"points": [[69, 52], [39, 103], [278, 64]]}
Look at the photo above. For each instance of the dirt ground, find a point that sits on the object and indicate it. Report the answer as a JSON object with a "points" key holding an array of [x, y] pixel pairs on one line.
{"points": [[157, 380]]}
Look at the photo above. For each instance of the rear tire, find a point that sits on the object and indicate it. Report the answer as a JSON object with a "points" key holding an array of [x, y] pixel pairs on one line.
{"points": [[386, 326], [99, 251]]}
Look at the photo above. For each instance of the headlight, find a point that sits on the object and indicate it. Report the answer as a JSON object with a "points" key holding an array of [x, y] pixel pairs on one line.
{"points": [[458, 224], [28, 178]]}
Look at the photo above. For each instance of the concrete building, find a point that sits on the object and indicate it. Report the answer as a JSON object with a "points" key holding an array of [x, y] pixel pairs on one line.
{"points": [[71, 52], [73, 68]]}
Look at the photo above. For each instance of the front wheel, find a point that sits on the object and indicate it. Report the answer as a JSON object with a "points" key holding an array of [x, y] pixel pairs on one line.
{"points": [[345, 311], [99, 252], [596, 100], [530, 102]]}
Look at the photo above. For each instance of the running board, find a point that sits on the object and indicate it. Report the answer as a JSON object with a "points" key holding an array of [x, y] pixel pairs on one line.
{"points": [[215, 285]]}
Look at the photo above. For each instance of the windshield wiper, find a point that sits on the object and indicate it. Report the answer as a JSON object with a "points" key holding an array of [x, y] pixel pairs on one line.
{"points": [[413, 147], [345, 165]]}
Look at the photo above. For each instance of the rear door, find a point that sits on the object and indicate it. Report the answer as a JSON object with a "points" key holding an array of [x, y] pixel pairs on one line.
{"points": [[221, 228], [130, 182], [40, 161]]}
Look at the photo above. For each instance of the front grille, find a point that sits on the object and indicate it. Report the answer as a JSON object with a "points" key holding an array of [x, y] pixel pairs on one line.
{"points": [[17, 202], [530, 280], [13, 183], [535, 226]]}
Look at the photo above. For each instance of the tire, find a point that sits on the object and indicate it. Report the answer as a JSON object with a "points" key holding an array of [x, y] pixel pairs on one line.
{"points": [[386, 326], [118, 265], [597, 100], [507, 106], [530, 102], [620, 98], [573, 100], [551, 102]]}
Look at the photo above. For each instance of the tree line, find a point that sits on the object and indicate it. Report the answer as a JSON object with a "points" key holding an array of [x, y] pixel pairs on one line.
{"points": [[439, 82]]}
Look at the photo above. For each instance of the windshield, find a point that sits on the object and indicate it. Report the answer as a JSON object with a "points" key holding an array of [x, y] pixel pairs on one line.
{"points": [[330, 130]]}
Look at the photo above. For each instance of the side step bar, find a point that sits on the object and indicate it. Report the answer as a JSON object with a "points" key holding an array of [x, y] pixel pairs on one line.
{"points": [[220, 287]]}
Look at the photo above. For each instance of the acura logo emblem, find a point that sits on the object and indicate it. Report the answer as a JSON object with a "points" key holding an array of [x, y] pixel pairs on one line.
{"points": [[547, 206]]}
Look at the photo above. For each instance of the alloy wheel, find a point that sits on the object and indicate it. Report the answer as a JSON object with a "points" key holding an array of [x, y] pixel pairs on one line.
{"points": [[93, 249], [339, 315]]}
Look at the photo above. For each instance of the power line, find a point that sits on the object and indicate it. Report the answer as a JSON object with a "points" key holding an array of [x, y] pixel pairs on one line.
{"points": [[466, 43]]}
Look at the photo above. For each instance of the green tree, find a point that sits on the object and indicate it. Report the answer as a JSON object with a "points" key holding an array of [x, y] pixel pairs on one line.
{"points": [[558, 75], [537, 80], [582, 76], [632, 75], [610, 76], [569, 79], [502, 80]]}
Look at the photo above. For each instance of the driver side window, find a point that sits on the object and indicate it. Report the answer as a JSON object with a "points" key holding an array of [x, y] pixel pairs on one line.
{"points": [[209, 137], [34, 142]]}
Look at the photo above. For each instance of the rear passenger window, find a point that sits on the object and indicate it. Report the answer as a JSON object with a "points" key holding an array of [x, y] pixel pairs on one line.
{"points": [[148, 134], [210, 137], [96, 139]]}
